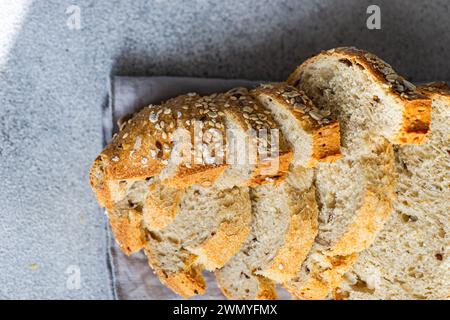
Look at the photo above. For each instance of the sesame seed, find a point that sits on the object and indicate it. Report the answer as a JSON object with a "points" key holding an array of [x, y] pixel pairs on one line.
{"points": [[153, 117], [115, 158], [144, 160], [137, 143], [167, 111]]}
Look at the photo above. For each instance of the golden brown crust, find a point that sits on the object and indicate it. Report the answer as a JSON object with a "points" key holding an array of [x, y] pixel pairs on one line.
{"points": [[377, 205], [266, 289], [99, 185], [197, 174], [227, 240], [320, 283], [271, 171], [126, 228], [326, 144], [186, 282], [362, 232], [224, 244], [298, 240], [159, 212], [436, 89], [324, 129], [417, 107]]}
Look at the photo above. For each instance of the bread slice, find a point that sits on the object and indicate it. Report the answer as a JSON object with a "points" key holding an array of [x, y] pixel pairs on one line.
{"points": [[354, 198], [313, 136], [259, 152], [410, 257], [367, 96], [196, 128], [284, 224], [207, 232]]}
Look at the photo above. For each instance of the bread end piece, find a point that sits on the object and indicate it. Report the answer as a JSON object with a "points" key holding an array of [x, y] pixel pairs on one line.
{"points": [[414, 117]]}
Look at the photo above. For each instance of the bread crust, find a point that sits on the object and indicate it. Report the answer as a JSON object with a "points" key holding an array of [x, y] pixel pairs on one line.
{"points": [[436, 89], [324, 130], [197, 174], [215, 252], [266, 289], [187, 282], [416, 106], [126, 228], [319, 284], [156, 214], [377, 205], [375, 208], [298, 241]]}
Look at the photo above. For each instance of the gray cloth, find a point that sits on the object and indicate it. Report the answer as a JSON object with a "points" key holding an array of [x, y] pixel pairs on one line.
{"points": [[132, 277]]}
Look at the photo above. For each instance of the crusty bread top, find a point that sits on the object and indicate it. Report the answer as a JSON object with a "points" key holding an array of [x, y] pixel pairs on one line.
{"points": [[416, 105], [320, 124], [441, 89], [143, 146], [253, 116]]}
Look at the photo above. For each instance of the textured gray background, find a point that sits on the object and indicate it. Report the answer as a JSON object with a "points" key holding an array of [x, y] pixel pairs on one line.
{"points": [[54, 84]]}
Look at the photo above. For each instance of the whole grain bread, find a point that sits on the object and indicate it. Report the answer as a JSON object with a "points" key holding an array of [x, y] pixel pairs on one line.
{"points": [[410, 257], [284, 224], [313, 135], [207, 232], [367, 96], [258, 152], [354, 199]]}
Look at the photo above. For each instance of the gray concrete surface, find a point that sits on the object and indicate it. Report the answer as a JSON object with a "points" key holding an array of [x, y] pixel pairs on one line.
{"points": [[53, 87]]}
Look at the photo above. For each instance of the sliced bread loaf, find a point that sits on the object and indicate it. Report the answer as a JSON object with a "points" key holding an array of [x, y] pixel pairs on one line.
{"points": [[284, 224], [367, 96], [207, 232], [313, 136], [181, 143], [410, 257], [354, 199]]}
